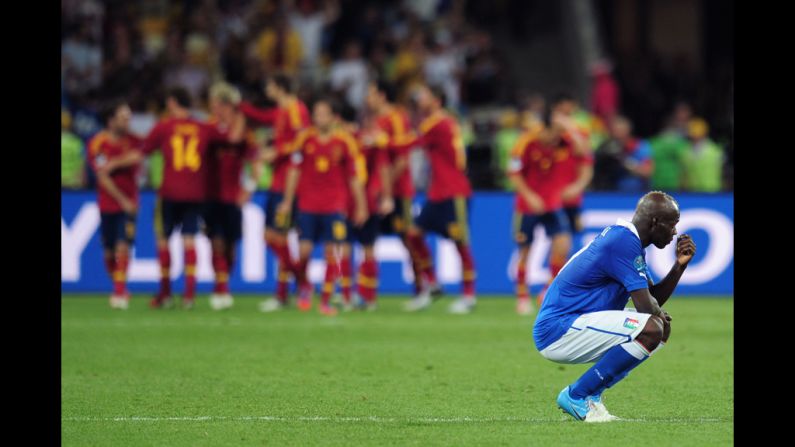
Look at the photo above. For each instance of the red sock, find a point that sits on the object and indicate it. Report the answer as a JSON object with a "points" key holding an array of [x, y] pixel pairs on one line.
{"points": [[282, 283], [300, 272], [345, 278], [164, 256], [120, 274], [368, 280], [423, 256], [332, 270], [110, 264], [286, 266], [221, 267], [468, 269], [190, 272], [521, 280]]}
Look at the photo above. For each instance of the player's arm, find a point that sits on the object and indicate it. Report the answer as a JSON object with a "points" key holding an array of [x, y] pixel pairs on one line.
{"points": [[578, 141], [685, 249], [645, 303], [103, 178], [402, 145], [516, 170], [357, 173], [262, 116], [584, 177], [291, 183], [131, 158]]}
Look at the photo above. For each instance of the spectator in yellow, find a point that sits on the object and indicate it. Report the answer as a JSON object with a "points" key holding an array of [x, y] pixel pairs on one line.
{"points": [[279, 48], [703, 162]]}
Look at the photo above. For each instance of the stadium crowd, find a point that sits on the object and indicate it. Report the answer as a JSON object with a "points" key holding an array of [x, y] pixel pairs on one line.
{"points": [[137, 50]]}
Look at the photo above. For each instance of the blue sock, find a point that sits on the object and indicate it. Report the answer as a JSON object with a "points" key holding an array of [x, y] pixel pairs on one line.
{"points": [[612, 367]]}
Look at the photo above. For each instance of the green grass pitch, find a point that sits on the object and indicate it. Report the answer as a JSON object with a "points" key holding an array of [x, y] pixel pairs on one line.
{"points": [[240, 377]]}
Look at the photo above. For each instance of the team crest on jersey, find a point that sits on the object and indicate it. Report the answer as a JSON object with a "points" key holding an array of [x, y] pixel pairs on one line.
{"points": [[631, 323], [640, 263]]}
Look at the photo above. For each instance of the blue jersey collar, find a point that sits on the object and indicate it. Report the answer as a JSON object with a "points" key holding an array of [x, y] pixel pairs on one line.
{"points": [[628, 224]]}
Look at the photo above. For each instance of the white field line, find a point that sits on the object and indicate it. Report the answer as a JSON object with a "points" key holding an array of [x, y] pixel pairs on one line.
{"points": [[375, 419]]}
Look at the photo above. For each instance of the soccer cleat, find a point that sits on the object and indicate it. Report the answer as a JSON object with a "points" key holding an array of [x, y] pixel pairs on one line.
{"points": [[271, 305], [463, 305], [327, 310], [228, 301], [162, 302], [577, 408], [304, 302], [120, 301], [599, 412], [524, 306], [419, 302], [217, 301]]}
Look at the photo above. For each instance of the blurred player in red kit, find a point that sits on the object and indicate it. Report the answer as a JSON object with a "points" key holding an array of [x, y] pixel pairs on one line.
{"points": [[321, 173], [447, 208], [228, 191], [185, 144], [536, 169], [288, 118], [114, 155], [577, 173], [398, 194], [374, 166]]}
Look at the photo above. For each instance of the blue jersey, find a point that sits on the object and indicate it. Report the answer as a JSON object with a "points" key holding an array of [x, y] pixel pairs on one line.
{"points": [[599, 277]]}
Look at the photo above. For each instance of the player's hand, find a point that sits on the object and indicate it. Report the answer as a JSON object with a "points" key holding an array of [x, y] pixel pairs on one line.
{"points": [[360, 216], [129, 206], [665, 315], [268, 154], [387, 205], [570, 192], [283, 208], [685, 249], [243, 198], [564, 121], [535, 203]]}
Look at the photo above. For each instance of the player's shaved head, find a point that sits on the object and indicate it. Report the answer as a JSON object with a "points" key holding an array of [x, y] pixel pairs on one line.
{"points": [[657, 204], [656, 216]]}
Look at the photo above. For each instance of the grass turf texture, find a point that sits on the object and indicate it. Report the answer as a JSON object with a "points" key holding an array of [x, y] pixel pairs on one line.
{"points": [[240, 377]]}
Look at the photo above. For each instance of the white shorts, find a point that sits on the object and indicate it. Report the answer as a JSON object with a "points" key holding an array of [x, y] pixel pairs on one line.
{"points": [[592, 334]]}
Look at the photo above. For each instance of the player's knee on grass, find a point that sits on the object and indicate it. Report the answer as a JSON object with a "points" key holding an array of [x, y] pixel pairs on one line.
{"points": [[652, 333]]}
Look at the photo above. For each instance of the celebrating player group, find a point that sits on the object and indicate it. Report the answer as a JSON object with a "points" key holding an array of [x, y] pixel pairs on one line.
{"points": [[336, 181]]}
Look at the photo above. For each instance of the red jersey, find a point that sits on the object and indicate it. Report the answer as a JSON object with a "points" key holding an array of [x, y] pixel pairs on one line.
{"points": [[541, 167], [226, 168], [287, 122], [441, 138], [185, 144], [326, 165], [570, 171], [396, 125], [103, 148], [369, 163]]}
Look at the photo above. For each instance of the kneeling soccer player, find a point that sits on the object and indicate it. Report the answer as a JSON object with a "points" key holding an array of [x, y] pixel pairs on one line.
{"points": [[583, 319]]}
